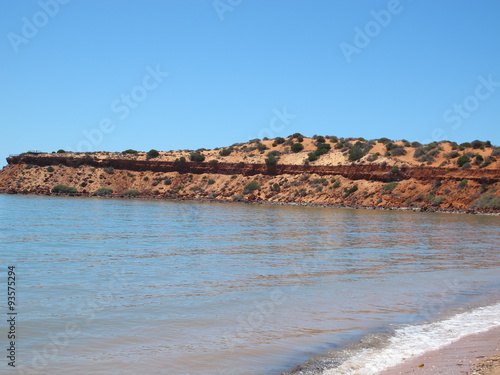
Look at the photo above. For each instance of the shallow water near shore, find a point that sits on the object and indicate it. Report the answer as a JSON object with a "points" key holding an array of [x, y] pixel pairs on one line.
{"points": [[134, 286]]}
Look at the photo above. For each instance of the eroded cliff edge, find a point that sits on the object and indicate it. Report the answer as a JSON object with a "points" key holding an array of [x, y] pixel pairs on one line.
{"points": [[364, 185]]}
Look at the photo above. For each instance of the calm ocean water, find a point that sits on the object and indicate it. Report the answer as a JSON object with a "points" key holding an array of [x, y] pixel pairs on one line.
{"points": [[108, 286]]}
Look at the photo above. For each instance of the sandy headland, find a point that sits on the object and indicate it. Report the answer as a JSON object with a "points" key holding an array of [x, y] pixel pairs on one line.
{"points": [[330, 171]]}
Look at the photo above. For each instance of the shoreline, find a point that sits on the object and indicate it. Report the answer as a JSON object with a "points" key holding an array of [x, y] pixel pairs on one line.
{"points": [[475, 354], [271, 203]]}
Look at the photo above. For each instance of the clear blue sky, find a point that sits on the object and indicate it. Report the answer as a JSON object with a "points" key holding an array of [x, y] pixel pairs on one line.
{"points": [[419, 71]]}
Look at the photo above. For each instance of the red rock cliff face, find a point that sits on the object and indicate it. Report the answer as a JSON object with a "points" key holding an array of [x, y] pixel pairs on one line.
{"points": [[371, 172], [424, 188]]}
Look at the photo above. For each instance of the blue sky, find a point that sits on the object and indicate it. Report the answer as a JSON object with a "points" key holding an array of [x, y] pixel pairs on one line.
{"points": [[89, 75]]}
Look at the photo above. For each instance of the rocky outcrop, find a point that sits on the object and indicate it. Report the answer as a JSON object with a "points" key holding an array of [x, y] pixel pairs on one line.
{"points": [[369, 172]]}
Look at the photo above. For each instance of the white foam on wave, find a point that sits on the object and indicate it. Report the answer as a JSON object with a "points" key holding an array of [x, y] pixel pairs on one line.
{"points": [[419, 339]]}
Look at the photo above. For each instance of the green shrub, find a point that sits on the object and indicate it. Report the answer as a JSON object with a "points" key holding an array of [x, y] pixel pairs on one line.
{"points": [[356, 153], [397, 151], [279, 140], [130, 151], [131, 193], [462, 160], [436, 201], [477, 144], [336, 184], [297, 147], [261, 146], [103, 191], [50, 169], [488, 201], [63, 189], [322, 148], [251, 187], [394, 169], [152, 154], [384, 140], [225, 152], [237, 198], [462, 184], [349, 191], [271, 160], [109, 170], [197, 157], [312, 156], [390, 186], [211, 181], [61, 151]]}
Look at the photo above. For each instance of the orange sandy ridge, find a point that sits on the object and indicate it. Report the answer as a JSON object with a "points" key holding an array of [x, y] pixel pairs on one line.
{"points": [[439, 176]]}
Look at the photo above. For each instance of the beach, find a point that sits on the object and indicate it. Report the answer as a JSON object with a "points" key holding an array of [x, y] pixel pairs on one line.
{"points": [[477, 354]]}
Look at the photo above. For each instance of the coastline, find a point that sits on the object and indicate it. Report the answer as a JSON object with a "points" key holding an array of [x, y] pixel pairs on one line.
{"points": [[486, 212], [476, 354]]}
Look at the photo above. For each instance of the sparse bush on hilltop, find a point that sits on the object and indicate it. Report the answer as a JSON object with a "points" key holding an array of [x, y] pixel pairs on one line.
{"points": [[225, 152], [130, 151], [279, 140], [50, 169], [197, 157], [151, 154], [384, 140]]}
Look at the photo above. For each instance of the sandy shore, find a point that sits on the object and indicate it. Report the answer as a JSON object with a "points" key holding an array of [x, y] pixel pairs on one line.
{"points": [[472, 355]]}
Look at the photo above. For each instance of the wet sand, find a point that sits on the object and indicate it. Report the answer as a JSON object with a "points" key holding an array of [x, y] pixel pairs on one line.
{"points": [[472, 355]]}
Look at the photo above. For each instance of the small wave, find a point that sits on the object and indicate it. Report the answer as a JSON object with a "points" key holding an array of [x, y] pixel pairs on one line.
{"points": [[415, 340]]}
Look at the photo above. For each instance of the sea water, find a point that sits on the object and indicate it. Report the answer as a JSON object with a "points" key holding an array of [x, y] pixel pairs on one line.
{"points": [[110, 286]]}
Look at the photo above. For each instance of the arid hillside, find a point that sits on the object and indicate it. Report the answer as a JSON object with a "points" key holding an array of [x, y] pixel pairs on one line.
{"points": [[319, 170]]}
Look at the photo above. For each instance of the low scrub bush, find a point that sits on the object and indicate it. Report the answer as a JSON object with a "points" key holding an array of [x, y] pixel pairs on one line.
{"points": [[197, 157], [130, 151], [251, 187], [390, 186], [488, 201], [297, 147], [462, 185], [462, 160], [131, 193], [349, 191], [151, 154], [103, 191], [63, 189], [436, 201]]}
